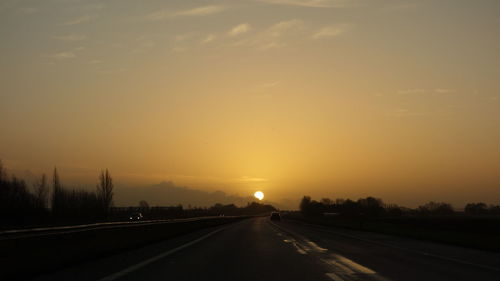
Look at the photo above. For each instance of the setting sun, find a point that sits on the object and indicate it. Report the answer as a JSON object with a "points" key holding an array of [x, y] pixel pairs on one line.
{"points": [[259, 195]]}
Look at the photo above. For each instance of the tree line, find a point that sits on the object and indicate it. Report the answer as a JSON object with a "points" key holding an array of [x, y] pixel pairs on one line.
{"points": [[48, 202], [167, 212], [51, 202], [375, 207]]}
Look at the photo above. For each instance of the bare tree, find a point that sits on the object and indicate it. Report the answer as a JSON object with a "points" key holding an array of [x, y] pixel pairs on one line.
{"points": [[476, 208], [105, 191], [436, 208], [326, 201], [56, 192], [41, 192], [143, 204], [3, 172]]}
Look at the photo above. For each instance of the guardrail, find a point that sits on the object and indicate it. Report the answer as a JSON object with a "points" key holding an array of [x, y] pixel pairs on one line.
{"points": [[21, 233], [27, 253]]}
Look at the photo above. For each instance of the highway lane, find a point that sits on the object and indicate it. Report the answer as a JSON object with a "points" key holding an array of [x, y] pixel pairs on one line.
{"points": [[258, 249], [397, 258]]}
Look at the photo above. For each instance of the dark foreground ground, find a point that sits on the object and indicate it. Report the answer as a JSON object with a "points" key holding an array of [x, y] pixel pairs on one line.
{"points": [[258, 249]]}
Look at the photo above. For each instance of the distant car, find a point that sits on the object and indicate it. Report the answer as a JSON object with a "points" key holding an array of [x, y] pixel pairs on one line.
{"points": [[275, 216], [136, 216]]}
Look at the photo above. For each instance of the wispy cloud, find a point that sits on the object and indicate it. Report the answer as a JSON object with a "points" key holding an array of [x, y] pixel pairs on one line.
{"points": [[78, 20], [159, 15], [144, 46], [28, 10], [400, 7], [70, 54], [201, 11], [282, 27], [271, 45], [313, 3], [64, 55], [111, 71], [265, 87], [93, 7], [71, 37], [411, 91], [275, 36], [330, 31], [251, 179], [270, 84], [183, 42], [179, 49], [404, 112], [198, 11], [426, 91], [239, 29], [444, 91], [209, 38], [183, 37], [94, 62]]}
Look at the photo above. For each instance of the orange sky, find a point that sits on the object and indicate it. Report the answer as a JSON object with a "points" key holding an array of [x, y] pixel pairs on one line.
{"points": [[341, 98]]}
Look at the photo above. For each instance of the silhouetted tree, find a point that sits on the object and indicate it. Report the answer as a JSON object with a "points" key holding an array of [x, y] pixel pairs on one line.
{"points": [[3, 172], [230, 209], [17, 203], [326, 201], [305, 205], [143, 204], [105, 191], [253, 208], [393, 210], [310, 207], [476, 208], [41, 192], [350, 208], [494, 209], [339, 201], [57, 194], [371, 207], [144, 208], [436, 208], [363, 207]]}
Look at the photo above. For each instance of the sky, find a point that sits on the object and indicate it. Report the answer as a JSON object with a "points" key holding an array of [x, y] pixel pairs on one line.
{"points": [[328, 98]]}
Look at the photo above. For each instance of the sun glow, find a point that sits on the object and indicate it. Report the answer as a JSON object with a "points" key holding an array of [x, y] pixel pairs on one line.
{"points": [[259, 195]]}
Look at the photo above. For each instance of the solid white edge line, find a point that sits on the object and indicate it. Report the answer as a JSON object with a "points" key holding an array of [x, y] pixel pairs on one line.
{"points": [[334, 277], [135, 267]]}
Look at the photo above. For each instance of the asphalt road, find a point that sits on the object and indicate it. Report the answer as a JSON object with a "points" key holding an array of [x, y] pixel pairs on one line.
{"points": [[258, 249]]}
